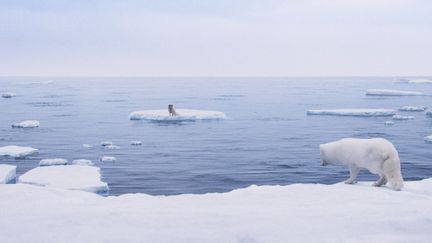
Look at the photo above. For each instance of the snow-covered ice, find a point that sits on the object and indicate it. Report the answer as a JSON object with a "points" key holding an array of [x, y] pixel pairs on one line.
{"points": [[136, 143], [82, 162], [7, 173], [55, 161], [108, 159], [402, 117], [293, 213], [26, 124], [428, 139], [183, 115], [74, 177], [388, 123], [17, 151], [353, 112], [412, 108], [420, 81], [390, 92], [8, 95]]}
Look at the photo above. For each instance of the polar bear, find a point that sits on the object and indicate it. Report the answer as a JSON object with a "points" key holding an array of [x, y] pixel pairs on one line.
{"points": [[378, 155]]}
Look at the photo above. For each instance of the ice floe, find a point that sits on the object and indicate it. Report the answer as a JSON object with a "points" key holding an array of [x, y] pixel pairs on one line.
{"points": [[42, 82], [8, 95], [183, 115], [136, 143], [412, 108], [108, 159], [292, 213], [390, 92], [106, 143], [7, 173], [17, 151], [428, 139], [55, 161], [82, 162], [420, 81], [87, 145], [388, 123], [74, 177], [402, 117], [26, 124], [353, 112]]}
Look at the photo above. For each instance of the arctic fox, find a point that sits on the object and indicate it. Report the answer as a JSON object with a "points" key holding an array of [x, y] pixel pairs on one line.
{"points": [[377, 155]]}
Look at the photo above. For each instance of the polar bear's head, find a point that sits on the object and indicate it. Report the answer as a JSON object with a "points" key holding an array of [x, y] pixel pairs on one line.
{"points": [[324, 161]]}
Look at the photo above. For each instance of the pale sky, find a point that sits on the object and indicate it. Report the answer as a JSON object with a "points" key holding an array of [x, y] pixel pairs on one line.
{"points": [[216, 37]]}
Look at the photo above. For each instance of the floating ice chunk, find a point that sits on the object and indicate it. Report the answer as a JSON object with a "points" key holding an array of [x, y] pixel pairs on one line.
{"points": [[8, 95], [26, 124], [82, 162], [401, 117], [353, 112], [108, 159], [106, 143], [412, 108], [87, 145], [389, 92], [74, 177], [42, 82], [428, 139], [112, 147], [17, 151], [429, 113], [388, 123], [136, 143], [7, 173], [420, 81], [55, 161], [183, 115]]}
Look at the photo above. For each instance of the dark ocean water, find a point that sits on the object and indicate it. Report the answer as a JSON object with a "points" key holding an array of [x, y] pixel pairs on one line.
{"points": [[268, 138]]}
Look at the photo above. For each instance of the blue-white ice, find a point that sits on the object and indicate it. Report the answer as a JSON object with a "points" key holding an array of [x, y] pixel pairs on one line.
{"points": [[17, 151], [54, 161], [183, 115], [402, 117], [26, 124], [412, 108], [82, 162], [108, 159], [428, 139], [390, 92], [8, 95], [353, 112], [7, 173]]}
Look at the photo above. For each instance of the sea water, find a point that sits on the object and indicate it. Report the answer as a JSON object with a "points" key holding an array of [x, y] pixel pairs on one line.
{"points": [[268, 139]]}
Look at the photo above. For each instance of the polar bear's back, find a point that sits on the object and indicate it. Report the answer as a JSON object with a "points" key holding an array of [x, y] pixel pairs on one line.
{"points": [[367, 153]]}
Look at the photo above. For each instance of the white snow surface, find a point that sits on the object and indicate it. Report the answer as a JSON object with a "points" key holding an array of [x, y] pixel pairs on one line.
{"points": [[277, 214], [82, 162], [183, 115], [412, 108], [55, 161], [402, 117], [428, 139], [7, 173], [26, 124], [73, 177], [8, 95], [390, 92], [108, 159], [17, 151], [353, 112]]}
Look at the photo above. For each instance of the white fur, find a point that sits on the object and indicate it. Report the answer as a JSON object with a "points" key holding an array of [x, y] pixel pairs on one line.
{"points": [[377, 155]]}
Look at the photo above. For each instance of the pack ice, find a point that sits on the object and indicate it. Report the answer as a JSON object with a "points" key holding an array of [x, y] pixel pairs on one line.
{"points": [[420, 81], [402, 117], [82, 162], [183, 115], [7, 173], [353, 112], [26, 124], [390, 92], [17, 151], [108, 159], [412, 108], [73, 177]]}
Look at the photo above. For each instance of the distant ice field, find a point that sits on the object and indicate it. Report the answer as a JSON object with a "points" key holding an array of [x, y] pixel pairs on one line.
{"points": [[268, 138]]}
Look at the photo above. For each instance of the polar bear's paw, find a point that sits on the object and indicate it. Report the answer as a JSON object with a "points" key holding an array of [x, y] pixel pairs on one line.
{"points": [[350, 181]]}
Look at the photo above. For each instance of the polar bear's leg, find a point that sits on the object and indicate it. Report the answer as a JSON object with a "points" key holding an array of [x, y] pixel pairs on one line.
{"points": [[354, 170], [392, 171], [381, 181]]}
